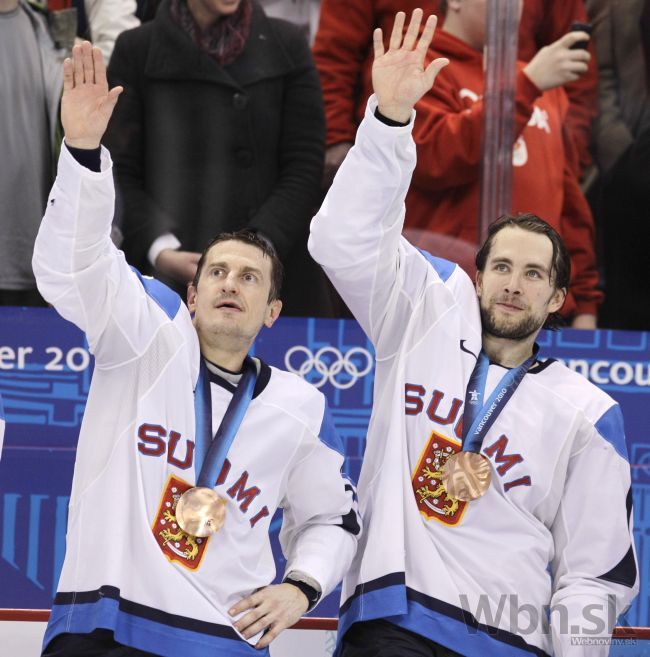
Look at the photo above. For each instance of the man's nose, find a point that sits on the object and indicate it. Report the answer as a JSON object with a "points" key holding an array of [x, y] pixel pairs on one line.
{"points": [[513, 284], [230, 283]]}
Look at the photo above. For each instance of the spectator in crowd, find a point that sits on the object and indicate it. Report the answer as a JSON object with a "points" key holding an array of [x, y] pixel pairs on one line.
{"points": [[342, 51], [147, 9], [30, 87], [622, 151], [304, 13], [543, 23], [99, 21], [220, 128], [445, 193]]}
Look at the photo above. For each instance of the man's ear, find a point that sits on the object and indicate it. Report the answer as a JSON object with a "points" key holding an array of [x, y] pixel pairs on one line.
{"points": [[191, 297], [272, 312], [478, 283], [557, 300]]}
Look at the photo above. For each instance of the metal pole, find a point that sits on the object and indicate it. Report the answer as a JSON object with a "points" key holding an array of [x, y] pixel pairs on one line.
{"points": [[502, 27]]}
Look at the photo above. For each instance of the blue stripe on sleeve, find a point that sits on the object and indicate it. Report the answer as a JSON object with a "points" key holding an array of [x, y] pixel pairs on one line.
{"points": [[610, 427], [328, 433], [2, 410], [444, 268], [165, 297]]}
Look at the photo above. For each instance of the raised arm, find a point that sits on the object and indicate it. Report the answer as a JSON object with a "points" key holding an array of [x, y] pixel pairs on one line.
{"points": [[356, 236], [77, 267]]}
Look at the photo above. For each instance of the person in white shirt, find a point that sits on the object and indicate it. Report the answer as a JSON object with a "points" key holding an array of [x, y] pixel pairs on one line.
{"points": [[188, 445], [495, 487]]}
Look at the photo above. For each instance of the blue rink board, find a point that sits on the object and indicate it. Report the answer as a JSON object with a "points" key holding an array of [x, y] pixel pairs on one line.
{"points": [[44, 377]]}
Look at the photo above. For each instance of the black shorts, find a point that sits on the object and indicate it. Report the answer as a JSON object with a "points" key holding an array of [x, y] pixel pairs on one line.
{"points": [[99, 643], [379, 638]]}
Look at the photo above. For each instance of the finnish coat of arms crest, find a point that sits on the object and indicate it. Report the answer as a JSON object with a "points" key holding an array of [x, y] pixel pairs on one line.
{"points": [[430, 494], [176, 544]]}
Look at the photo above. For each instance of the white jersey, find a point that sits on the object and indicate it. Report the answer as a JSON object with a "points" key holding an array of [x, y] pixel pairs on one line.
{"points": [[128, 567], [555, 526]]}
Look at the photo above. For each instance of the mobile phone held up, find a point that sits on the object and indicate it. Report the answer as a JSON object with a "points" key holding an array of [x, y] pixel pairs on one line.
{"points": [[577, 26]]}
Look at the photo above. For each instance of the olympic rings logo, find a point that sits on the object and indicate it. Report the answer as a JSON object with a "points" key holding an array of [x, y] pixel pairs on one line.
{"points": [[328, 363]]}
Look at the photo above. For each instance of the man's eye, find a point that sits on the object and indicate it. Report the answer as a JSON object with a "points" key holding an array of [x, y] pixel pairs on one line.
{"points": [[249, 278], [501, 267], [534, 274]]}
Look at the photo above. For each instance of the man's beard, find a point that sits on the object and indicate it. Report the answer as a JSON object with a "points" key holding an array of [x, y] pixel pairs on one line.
{"points": [[515, 330]]}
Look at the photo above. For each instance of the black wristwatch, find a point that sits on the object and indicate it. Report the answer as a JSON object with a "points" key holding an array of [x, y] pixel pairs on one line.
{"points": [[312, 595]]}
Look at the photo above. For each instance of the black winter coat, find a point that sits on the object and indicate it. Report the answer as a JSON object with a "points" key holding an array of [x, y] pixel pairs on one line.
{"points": [[199, 149]]}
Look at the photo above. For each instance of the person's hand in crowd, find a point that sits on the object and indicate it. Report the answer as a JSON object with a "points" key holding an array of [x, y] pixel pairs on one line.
{"points": [[270, 610], [334, 156], [399, 78], [557, 64], [87, 103], [584, 322], [179, 265]]}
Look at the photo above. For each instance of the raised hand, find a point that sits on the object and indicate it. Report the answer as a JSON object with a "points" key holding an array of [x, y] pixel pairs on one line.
{"points": [[399, 78], [87, 104]]}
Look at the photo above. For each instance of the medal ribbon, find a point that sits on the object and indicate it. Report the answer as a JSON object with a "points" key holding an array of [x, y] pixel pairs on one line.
{"points": [[477, 418], [210, 453]]}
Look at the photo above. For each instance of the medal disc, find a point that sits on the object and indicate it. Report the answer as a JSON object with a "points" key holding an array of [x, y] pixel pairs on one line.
{"points": [[200, 512], [466, 476]]}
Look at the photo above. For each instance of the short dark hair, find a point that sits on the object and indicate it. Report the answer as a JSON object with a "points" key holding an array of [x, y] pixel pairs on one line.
{"points": [[254, 239], [560, 263]]}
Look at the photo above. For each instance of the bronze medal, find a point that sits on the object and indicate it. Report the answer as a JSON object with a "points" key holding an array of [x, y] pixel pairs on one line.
{"points": [[466, 476], [200, 512]]}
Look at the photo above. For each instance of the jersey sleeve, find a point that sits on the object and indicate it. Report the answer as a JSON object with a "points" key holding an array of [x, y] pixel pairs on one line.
{"points": [[595, 574], [321, 524], [356, 237], [85, 277]]}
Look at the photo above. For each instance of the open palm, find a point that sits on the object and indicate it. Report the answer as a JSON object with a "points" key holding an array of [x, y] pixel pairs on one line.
{"points": [[398, 75], [87, 104]]}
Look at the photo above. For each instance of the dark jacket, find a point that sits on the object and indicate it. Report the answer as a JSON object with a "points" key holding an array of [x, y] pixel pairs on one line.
{"points": [[623, 92], [200, 149]]}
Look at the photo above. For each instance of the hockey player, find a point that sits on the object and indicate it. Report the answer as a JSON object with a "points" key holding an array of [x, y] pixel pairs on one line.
{"points": [[168, 550], [495, 486]]}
